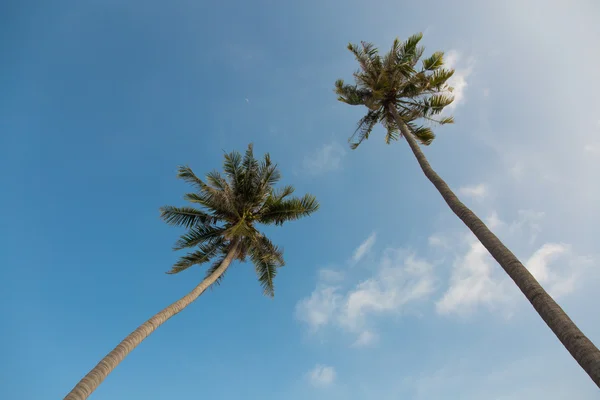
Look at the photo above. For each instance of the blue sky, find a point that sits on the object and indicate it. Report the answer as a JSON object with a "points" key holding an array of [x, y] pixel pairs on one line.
{"points": [[385, 295]]}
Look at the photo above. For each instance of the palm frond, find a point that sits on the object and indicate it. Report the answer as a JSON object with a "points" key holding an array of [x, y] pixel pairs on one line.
{"points": [[202, 255], [278, 212], [392, 131], [440, 77], [232, 166], [422, 133], [437, 102], [434, 62], [214, 179], [220, 203], [364, 128], [185, 216], [267, 258], [188, 175], [198, 235], [269, 175], [446, 120]]}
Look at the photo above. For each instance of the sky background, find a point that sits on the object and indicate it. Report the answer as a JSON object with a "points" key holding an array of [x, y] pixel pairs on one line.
{"points": [[385, 294]]}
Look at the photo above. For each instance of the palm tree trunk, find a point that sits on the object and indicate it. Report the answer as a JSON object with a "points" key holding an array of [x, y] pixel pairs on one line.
{"points": [[94, 378], [581, 348]]}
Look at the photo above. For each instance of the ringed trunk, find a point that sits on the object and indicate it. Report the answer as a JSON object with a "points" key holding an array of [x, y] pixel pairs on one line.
{"points": [[581, 348], [94, 378]]}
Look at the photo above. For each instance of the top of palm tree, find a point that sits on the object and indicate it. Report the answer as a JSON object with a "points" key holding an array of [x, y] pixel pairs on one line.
{"points": [[395, 81], [231, 206]]}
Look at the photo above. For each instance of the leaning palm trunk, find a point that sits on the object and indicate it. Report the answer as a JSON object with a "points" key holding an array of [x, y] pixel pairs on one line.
{"points": [[580, 347], [94, 378]]}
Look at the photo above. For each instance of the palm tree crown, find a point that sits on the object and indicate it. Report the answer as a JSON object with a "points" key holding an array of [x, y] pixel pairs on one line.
{"points": [[231, 206], [393, 81]]}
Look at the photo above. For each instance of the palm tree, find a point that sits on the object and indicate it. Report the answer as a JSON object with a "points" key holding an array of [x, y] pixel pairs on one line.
{"points": [[223, 230], [399, 94]]}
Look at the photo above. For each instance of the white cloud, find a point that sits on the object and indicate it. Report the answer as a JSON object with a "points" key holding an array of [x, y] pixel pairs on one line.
{"points": [[471, 283], [459, 80], [558, 281], [321, 375], [400, 279], [318, 309], [364, 248], [477, 192], [477, 280], [486, 92], [366, 338], [493, 221], [326, 158]]}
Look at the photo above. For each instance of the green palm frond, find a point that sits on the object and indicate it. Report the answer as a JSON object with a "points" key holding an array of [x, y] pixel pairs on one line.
{"points": [[446, 120], [440, 77], [185, 216], [204, 254], [278, 212], [219, 202], [282, 193], [422, 133], [392, 131], [188, 175], [198, 235], [364, 128], [267, 258], [218, 182], [434, 62]]}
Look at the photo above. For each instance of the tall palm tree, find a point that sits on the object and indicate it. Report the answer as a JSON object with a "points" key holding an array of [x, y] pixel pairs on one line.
{"points": [[399, 94], [223, 230]]}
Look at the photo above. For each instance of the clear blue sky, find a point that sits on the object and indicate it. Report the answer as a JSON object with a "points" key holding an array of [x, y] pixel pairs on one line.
{"points": [[385, 295]]}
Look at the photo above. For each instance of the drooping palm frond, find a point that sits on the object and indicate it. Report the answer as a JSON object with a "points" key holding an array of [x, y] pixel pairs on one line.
{"points": [[364, 128], [393, 81], [267, 258], [232, 204]]}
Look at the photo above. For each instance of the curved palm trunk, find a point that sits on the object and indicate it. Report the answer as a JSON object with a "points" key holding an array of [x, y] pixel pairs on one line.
{"points": [[95, 377], [580, 347]]}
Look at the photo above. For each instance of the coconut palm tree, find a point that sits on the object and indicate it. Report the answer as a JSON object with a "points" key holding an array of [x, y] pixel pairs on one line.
{"points": [[407, 99], [224, 229]]}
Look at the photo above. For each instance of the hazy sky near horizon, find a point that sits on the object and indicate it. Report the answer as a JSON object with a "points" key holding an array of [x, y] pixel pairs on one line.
{"points": [[385, 293]]}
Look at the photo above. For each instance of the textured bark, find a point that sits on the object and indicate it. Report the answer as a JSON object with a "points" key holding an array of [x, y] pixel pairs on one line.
{"points": [[581, 348], [95, 377]]}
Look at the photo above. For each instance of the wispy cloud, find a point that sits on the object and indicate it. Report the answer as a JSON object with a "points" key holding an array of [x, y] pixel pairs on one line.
{"points": [[324, 159], [319, 308], [321, 375], [400, 279], [477, 280], [364, 248], [454, 59], [477, 192]]}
